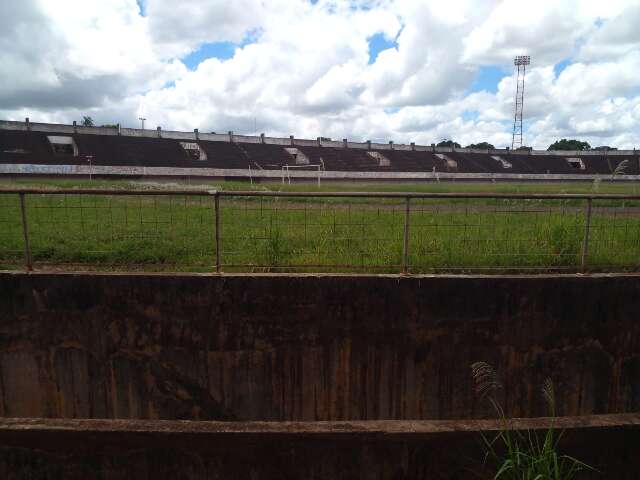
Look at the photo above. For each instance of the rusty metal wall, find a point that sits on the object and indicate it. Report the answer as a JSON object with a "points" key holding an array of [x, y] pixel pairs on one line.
{"points": [[313, 347]]}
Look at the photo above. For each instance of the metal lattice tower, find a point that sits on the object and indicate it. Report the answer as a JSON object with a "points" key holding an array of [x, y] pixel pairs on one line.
{"points": [[521, 62]]}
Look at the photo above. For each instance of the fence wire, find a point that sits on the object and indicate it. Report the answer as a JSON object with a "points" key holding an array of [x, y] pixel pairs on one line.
{"points": [[251, 232], [118, 231], [280, 234]]}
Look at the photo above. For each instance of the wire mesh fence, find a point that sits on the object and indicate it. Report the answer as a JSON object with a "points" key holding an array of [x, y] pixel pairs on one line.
{"points": [[318, 232], [275, 233]]}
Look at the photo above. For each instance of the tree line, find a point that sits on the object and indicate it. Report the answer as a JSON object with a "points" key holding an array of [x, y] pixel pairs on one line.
{"points": [[564, 144]]}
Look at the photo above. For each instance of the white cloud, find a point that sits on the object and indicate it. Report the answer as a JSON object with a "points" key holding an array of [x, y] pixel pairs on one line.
{"points": [[616, 36], [306, 70], [177, 27], [76, 53]]}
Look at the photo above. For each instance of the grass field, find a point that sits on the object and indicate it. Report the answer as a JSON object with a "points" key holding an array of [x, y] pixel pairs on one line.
{"points": [[279, 234]]}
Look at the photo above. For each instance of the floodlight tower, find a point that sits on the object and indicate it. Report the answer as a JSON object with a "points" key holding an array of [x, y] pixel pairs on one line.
{"points": [[521, 62], [142, 119]]}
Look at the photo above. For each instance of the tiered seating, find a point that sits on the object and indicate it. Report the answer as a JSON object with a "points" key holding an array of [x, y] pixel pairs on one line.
{"points": [[268, 157], [413, 161], [223, 155], [150, 152], [342, 159], [519, 164], [548, 164], [29, 147], [105, 150], [128, 151], [25, 147], [475, 163], [600, 164]]}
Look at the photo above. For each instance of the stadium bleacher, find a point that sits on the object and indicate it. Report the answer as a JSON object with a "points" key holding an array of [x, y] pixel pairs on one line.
{"points": [[267, 157], [413, 161], [341, 159], [36, 147]]}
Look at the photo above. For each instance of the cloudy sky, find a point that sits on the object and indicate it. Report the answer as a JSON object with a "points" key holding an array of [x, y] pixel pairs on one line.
{"points": [[404, 70]]}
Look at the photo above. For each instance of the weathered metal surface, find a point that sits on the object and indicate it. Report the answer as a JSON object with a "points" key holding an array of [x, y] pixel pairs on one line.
{"points": [[305, 347], [400, 450], [266, 193]]}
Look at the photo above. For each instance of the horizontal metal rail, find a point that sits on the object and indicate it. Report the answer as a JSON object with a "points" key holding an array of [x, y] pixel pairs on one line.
{"points": [[251, 193]]}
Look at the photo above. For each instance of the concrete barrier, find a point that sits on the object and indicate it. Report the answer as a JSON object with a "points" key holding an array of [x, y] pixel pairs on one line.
{"points": [[311, 175], [313, 347], [396, 450]]}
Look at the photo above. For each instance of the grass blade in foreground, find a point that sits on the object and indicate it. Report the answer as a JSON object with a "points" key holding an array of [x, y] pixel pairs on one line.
{"points": [[522, 456]]}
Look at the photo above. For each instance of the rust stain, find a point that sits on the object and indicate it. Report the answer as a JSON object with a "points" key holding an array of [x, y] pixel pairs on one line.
{"points": [[315, 348]]}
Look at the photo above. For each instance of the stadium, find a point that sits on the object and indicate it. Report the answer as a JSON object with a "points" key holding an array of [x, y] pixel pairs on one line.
{"points": [[34, 148], [197, 300]]}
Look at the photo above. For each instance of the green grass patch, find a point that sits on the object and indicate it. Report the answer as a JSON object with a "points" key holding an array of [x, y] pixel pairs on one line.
{"points": [[260, 234]]}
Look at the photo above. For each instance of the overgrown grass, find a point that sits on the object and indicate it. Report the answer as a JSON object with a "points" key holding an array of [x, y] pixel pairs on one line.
{"points": [[280, 234], [528, 455]]}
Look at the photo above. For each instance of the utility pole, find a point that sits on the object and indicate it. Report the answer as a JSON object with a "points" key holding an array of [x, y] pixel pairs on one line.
{"points": [[142, 119]]}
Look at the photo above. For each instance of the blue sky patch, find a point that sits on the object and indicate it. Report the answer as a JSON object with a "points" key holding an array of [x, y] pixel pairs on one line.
{"points": [[488, 77], [469, 115], [141, 7], [378, 43], [219, 50], [560, 66]]}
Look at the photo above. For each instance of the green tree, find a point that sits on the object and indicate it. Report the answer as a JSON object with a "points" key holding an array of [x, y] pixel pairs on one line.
{"points": [[481, 146], [573, 144], [448, 143], [87, 121]]}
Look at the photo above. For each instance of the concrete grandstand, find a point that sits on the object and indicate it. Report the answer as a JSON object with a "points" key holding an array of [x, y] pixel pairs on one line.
{"points": [[37, 148]]}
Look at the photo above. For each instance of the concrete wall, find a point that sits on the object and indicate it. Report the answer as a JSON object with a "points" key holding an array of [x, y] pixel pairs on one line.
{"points": [[277, 175], [110, 450], [309, 347]]}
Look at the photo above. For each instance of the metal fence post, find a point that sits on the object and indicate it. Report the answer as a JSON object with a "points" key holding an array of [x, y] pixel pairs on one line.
{"points": [[405, 245], [585, 241], [25, 233], [217, 214]]}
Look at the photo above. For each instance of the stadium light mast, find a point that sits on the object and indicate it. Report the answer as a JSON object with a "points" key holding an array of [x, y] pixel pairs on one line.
{"points": [[521, 62], [142, 119]]}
